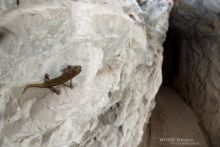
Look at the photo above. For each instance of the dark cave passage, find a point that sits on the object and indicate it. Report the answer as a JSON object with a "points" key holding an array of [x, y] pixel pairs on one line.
{"points": [[173, 117], [171, 54], [190, 68]]}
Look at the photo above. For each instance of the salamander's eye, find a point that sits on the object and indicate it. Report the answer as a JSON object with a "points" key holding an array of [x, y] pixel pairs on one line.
{"points": [[79, 68]]}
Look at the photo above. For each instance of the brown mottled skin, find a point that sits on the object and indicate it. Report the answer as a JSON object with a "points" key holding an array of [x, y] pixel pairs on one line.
{"points": [[67, 74]]}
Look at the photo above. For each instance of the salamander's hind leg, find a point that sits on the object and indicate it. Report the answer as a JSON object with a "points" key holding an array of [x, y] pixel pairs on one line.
{"points": [[46, 77], [57, 91]]}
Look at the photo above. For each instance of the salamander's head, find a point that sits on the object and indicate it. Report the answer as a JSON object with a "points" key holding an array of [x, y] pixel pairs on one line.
{"points": [[73, 70], [77, 68]]}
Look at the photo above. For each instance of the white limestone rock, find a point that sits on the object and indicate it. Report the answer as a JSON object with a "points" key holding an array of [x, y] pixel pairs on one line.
{"points": [[121, 58], [7, 4]]}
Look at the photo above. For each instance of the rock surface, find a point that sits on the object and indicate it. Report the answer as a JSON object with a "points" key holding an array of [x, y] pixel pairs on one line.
{"points": [[118, 45], [7, 4], [198, 26]]}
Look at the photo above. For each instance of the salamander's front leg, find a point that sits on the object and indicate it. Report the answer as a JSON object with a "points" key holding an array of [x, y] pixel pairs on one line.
{"points": [[70, 85], [57, 91], [46, 77], [67, 69]]}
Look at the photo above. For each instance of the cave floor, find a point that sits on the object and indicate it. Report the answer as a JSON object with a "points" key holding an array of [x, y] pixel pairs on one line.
{"points": [[173, 123]]}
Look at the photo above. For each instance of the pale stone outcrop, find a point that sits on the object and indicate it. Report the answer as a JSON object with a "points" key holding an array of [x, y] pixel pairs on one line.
{"points": [[118, 45], [7, 4], [197, 24]]}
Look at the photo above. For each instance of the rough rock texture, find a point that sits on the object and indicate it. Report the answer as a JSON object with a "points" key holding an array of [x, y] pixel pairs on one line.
{"points": [[198, 26], [7, 4], [118, 45]]}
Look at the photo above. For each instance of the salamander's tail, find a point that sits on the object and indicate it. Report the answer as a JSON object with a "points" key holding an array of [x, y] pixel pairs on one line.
{"points": [[33, 85]]}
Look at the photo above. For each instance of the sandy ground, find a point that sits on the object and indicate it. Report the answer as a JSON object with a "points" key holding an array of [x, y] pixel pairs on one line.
{"points": [[173, 123]]}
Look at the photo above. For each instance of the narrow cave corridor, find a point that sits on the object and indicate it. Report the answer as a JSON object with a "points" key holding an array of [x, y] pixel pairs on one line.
{"points": [[191, 70], [173, 121]]}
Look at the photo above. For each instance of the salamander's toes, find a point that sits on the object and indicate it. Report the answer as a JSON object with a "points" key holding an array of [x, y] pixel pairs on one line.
{"points": [[71, 86], [74, 85], [57, 92]]}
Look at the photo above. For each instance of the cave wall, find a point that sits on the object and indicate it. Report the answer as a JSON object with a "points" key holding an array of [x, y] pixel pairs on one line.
{"points": [[198, 27]]}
